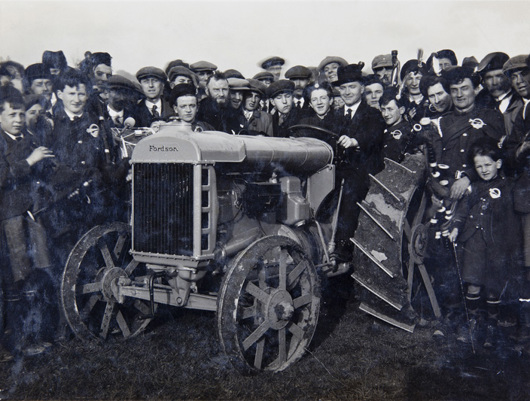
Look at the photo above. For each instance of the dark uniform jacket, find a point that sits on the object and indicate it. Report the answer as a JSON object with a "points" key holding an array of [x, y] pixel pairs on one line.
{"points": [[398, 140], [488, 212], [460, 131]]}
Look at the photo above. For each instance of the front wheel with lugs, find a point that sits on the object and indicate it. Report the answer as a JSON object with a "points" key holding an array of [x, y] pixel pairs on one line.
{"points": [[268, 305], [89, 286]]}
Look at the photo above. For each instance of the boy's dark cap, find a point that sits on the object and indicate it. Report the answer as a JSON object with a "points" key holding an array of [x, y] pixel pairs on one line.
{"points": [[280, 86]]}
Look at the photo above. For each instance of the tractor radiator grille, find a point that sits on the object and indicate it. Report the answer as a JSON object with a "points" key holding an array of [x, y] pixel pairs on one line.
{"points": [[163, 208]]}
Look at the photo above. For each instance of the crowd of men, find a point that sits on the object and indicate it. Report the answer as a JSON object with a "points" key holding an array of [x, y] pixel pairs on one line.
{"points": [[62, 169]]}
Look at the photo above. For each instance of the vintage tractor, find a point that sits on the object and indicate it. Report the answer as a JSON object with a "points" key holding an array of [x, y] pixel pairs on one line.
{"points": [[227, 224]]}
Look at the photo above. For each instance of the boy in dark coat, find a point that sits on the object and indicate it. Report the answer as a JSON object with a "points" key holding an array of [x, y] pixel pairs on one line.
{"points": [[489, 231]]}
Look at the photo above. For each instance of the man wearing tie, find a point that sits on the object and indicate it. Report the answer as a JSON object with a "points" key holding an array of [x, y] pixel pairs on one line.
{"points": [[362, 137], [154, 107]]}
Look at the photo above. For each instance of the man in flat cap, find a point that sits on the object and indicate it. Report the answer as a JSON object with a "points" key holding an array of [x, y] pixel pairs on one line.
{"points": [[237, 88], [183, 97], [176, 63], [361, 135], [329, 66], [153, 108], [265, 77], [498, 93], [181, 75], [258, 122], [280, 94], [121, 102], [274, 66], [203, 70], [301, 77], [383, 67]]}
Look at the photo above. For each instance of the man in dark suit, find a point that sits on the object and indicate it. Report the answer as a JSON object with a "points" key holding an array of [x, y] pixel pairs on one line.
{"points": [[498, 92], [361, 135], [154, 107]]}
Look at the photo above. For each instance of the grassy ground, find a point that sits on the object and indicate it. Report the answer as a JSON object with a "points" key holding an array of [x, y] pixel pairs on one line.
{"points": [[352, 357]]}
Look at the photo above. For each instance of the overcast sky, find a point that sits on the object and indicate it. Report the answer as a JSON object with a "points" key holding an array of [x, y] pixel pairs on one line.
{"points": [[238, 34]]}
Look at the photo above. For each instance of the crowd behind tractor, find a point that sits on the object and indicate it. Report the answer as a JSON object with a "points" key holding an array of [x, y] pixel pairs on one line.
{"points": [[67, 135]]}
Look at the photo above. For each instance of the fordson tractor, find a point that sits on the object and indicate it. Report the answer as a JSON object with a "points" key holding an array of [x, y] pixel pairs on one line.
{"points": [[229, 224]]}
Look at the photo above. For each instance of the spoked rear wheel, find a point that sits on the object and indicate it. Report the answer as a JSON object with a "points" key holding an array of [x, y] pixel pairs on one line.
{"points": [[268, 305], [89, 286]]}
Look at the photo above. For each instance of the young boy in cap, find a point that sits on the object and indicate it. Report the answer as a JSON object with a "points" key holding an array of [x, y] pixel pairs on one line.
{"points": [[258, 122], [280, 94]]}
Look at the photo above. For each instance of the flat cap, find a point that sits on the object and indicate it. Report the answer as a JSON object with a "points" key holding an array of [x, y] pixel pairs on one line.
{"points": [[37, 71], [175, 63], [180, 71], [257, 86], [231, 73], [264, 76], [272, 61], [413, 66], [349, 73], [492, 61], [280, 86], [203, 66], [181, 90], [298, 72], [120, 82], [383, 60], [515, 63], [238, 84], [151, 72], [332, 59]]}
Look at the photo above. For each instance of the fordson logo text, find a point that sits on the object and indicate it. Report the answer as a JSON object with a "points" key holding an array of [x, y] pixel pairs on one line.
{"points": [[153, 148]]}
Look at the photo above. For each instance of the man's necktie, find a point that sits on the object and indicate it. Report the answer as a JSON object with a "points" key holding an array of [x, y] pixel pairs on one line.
{"points": [[348, 114], [154, 112]]}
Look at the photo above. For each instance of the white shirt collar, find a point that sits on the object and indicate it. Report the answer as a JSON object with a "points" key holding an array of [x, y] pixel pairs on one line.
{"points": [[71, 115], [150, 105], [353, 108], [14, 137]]}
